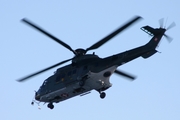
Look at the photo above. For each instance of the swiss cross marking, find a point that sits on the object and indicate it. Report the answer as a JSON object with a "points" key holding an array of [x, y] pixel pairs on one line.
{"points": [[156, 39]]}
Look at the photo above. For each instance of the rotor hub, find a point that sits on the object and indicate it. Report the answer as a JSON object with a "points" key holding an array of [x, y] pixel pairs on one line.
{"points": [[80, 52]]}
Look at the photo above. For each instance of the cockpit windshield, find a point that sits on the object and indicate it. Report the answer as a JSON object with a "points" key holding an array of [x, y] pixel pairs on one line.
{"points": [[44, 83]]}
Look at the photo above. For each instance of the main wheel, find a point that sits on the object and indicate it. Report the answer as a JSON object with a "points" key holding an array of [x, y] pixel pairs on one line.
{"points": [[102, 95], [50, 105]]}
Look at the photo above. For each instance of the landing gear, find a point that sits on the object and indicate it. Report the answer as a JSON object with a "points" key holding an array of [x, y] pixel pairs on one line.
{"points": [[50, 105], [32, 103], [102, 95]]}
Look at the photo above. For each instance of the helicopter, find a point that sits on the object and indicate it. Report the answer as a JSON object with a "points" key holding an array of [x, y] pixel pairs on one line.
{"points": [[88, 72]]}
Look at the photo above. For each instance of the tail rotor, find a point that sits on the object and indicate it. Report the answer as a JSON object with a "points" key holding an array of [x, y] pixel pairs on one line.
{"points": [[161, 23]]}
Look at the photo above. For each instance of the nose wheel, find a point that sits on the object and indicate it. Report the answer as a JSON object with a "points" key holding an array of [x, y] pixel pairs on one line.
{"points": [[50, 105], [102, 95]]}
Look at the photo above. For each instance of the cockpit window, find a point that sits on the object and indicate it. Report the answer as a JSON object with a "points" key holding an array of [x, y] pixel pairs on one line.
{"points": [[60, 77], [74, 71], [45, 82]]}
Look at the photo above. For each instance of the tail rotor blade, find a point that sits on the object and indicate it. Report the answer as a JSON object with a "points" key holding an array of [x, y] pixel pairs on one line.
{"points": [[171, 26], [161, 22], [169, 39]]}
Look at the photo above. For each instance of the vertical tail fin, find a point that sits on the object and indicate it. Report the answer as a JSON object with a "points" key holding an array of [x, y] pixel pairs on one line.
{"points": [[156, 33], [153, 43]]}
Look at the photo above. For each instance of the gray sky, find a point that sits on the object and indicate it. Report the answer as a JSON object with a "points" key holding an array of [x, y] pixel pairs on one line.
{"points": [[154, 95]]}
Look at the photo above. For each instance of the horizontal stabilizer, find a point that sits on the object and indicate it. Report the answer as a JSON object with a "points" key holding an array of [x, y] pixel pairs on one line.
{"points": [[149, 30], [150, 53]]}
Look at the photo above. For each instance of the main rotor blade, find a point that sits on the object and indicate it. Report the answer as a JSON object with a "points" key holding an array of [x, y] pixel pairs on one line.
{"points": [[41, 71], [131, 77], [107, 38], [48, 34]]}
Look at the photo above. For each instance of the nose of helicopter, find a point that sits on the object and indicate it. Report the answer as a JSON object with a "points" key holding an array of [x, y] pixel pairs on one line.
{"points": [[37, 96]]}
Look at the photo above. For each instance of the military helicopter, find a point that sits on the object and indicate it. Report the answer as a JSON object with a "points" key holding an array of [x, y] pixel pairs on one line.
{"points": [[88, 71]]}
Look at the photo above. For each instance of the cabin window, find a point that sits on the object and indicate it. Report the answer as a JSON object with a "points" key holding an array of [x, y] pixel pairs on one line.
{"points": [[69, 73], [63, 75], [85, 67], [74, 71], [45, 82], [60, 77]]}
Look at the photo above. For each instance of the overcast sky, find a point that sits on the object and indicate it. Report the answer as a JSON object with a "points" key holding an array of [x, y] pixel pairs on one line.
{"points": [[154, 95]]}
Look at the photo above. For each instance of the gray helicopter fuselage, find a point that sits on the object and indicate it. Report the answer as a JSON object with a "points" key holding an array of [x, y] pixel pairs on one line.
{"points": [[65, 83], [93, 71]]}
